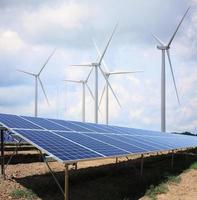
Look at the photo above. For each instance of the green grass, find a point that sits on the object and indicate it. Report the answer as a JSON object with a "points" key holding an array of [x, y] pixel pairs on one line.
{"points": [[193, 165], [162, 188], [22, 193], [153, 191], [174, 179]]}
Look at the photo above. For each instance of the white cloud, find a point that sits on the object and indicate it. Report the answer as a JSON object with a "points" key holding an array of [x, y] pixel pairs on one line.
{"points": [[10, 42], [27, 39]]}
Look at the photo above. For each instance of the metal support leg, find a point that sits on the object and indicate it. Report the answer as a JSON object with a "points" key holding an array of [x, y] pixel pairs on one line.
{"points": [[51, 171], [75, 166], [172, 160], [14, 153], [2, 155], [142, 165], [66, 183]]}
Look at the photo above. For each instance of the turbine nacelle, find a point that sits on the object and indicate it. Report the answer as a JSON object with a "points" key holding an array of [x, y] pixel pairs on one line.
{"points": [[161, 47], [95, 64], [107, 74]]}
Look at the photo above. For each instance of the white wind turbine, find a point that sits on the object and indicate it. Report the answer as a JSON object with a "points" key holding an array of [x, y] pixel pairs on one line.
{"points": [[165, 48], [37, 79], [97, 66], [106, 87], [84, 85]]}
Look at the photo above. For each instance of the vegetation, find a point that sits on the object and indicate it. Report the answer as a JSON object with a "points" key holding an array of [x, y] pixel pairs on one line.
{"points": [[187, 133], [22, 193], [153, 191], [162, 188], [193, 165]]}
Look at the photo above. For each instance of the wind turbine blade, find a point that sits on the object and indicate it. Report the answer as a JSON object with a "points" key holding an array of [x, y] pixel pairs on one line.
{"points": [[72, 81], [41, 84], [101, 58], [99, 53], [178, 27], [89, 75], [91, 94], [47, 61], [25, 72], [168, 54], [110, 86], [102, 96], [158, 40], [121, 72], [85, 65]]}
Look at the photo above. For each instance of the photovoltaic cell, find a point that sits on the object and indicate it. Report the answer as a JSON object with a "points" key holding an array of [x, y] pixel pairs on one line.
{"points": [[71, 125], [46, 124], [60, 147], [14, 121], [130, 148], [70, 141], [98, 146]]}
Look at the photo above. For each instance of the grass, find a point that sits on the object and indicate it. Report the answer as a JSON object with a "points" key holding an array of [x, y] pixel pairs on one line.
{"points": [[153, 191], [193, 165], [174, 179], [162, 188], [22, 193]]}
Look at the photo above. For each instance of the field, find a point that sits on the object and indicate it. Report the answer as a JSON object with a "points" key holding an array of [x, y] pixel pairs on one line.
{"points": [[29, 178]]}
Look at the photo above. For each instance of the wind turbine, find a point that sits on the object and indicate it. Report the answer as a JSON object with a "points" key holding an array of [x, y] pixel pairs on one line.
{"points": [[106, 90], [84, 85], [106, 87], [37, 79], [165, 49], [97, 66]]}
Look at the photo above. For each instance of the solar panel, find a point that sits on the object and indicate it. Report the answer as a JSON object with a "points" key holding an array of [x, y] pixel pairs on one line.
{"points": [[70, 141]]}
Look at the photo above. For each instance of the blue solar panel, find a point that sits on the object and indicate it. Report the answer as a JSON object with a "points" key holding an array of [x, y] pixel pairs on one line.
{"points": [[70, 141], [128, 146], [13, 121], [98, 146], [71, 125], [60, 147], [46, 124], [93, 127]]}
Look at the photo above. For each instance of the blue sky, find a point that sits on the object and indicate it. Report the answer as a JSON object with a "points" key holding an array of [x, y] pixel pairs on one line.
{"points": [[30, 30]]}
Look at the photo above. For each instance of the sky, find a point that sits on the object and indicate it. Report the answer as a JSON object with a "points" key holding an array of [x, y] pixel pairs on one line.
{"points": [[30, 30]]}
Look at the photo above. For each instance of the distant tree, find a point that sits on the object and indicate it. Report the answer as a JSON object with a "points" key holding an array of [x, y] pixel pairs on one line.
{"points": [[186, 133]]}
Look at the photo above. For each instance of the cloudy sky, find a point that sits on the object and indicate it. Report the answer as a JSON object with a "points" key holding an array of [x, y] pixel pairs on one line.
{"points": [[31, 29]]}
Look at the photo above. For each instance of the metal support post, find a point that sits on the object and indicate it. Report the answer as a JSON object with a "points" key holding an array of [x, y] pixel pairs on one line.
{"points": [[172, 160], [54, 177], [142, 165], [2, 155], [116, 160], [75, 166], [66, 183], [13, 154], [163, 93]]}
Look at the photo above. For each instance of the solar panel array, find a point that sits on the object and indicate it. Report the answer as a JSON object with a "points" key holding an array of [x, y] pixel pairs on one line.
{"points": [[69, 141]]}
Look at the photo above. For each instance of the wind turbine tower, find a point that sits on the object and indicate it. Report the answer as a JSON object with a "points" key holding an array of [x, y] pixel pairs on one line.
{"points": [[97, 67], [165, 49], [84, 85], [38, 79]]}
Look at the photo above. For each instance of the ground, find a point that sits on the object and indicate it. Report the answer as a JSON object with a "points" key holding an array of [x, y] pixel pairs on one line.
{"points": [[29, 178], [185, 190]]}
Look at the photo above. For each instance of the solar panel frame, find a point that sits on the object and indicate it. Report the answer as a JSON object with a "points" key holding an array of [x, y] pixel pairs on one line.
{"points": [[106, 131]]}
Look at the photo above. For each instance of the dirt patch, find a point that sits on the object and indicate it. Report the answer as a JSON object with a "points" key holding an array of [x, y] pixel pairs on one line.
{"points": [[185, 190], [96, 180]]}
